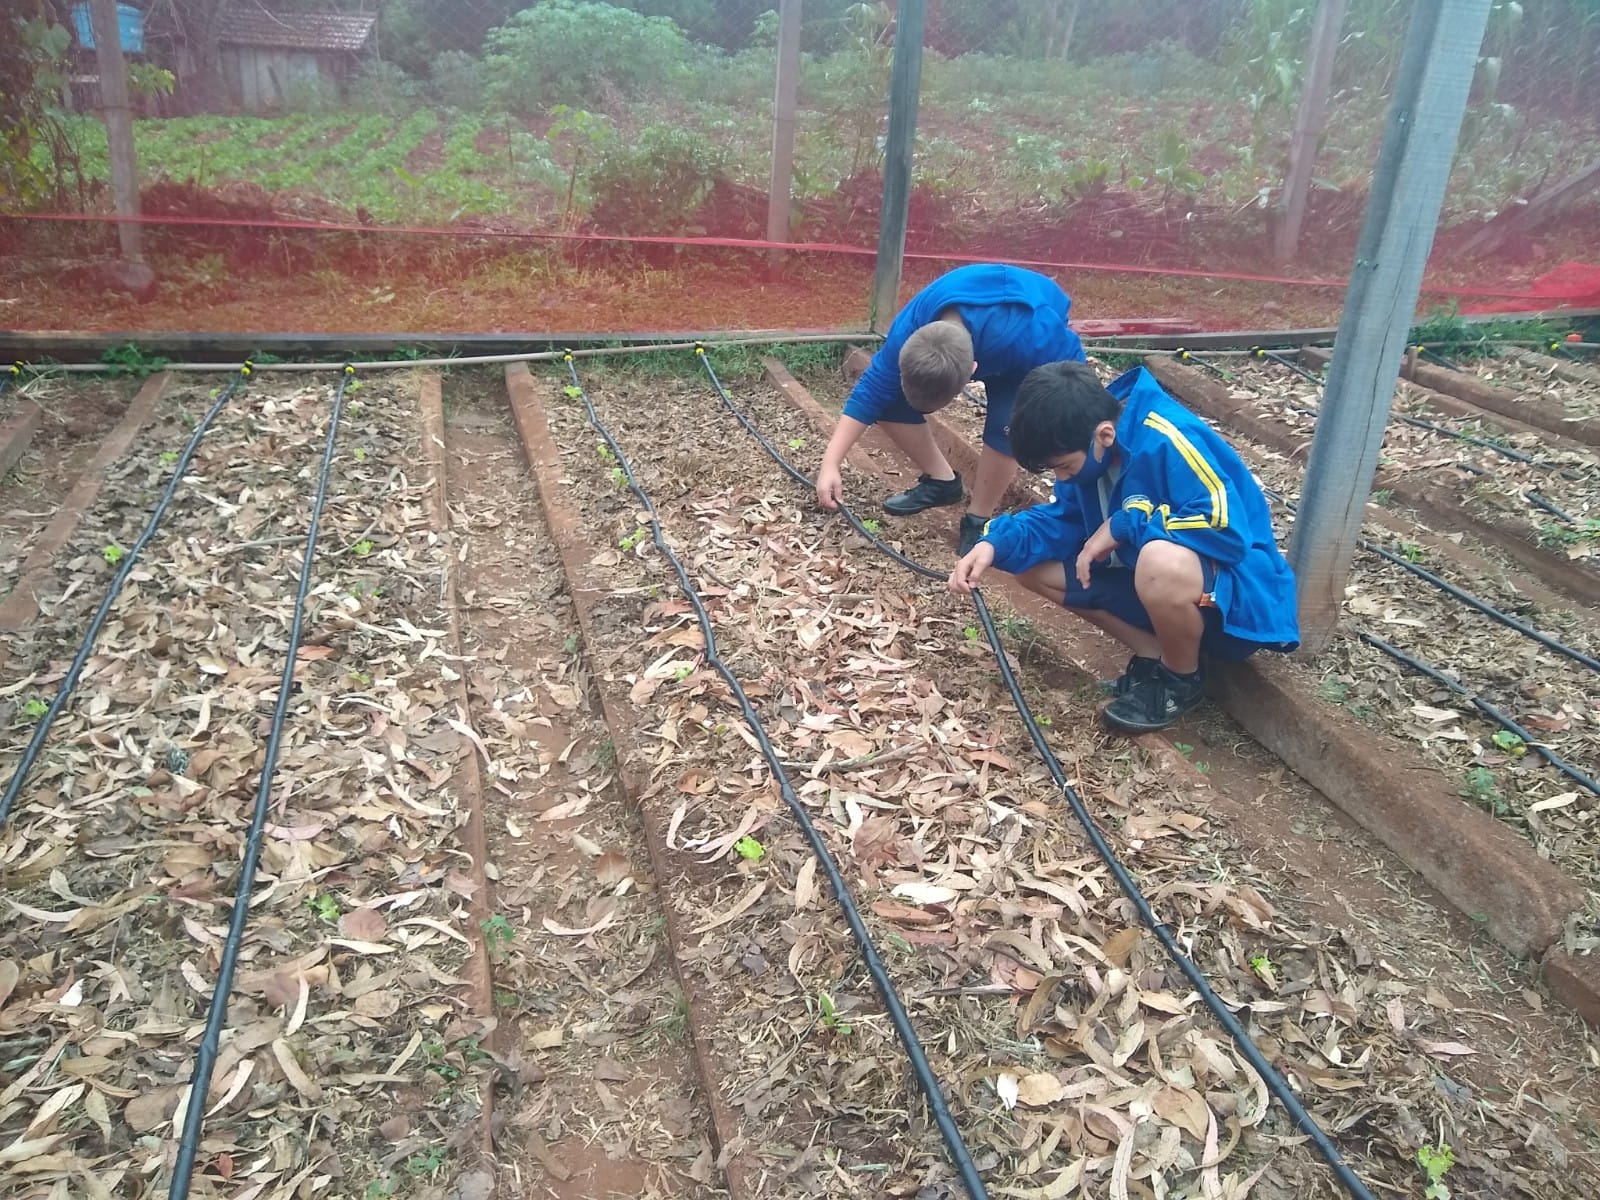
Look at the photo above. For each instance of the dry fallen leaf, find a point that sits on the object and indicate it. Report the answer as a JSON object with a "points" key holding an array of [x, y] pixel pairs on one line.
{"points": [[611, 868], [364, 924]]}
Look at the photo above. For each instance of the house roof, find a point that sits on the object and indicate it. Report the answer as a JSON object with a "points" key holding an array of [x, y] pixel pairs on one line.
{"points": [[324, 32]]}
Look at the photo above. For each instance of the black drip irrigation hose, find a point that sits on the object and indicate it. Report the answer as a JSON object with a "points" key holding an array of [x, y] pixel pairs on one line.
{"points": [[959, 1154], [70, 680], [1275, 1083], [216, 1014], [1540, 500], [1444, 585], [1422, 423], [1471, 601], [1483, 706]]}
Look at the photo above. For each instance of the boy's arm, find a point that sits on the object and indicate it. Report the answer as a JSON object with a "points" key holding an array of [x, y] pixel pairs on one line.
{"points": [[1035, 535], [830, 477], [1185, 499]]}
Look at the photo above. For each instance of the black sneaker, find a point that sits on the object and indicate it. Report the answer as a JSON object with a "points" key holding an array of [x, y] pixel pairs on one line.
{"points": [[971, 530], [929, 493], [1138, 670], [1155, 702]]}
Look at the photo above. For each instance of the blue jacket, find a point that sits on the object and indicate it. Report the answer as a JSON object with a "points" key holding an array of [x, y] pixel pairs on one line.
{"points": [[1018, 321], [1178, 482]]}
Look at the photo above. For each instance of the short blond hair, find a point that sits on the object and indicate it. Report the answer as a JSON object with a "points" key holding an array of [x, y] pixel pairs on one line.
{"points": [[935, 364]]}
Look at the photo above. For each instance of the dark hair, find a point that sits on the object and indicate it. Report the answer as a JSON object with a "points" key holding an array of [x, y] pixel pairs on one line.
{"points": [[1058, 408]]}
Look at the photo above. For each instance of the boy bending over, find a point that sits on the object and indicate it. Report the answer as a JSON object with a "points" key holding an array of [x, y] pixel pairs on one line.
{"points": [[988, 322], [1158, 535]]}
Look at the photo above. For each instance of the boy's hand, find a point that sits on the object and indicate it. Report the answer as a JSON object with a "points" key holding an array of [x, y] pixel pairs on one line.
{"points": [[830, 488], [1096, 549], [977, 560]]}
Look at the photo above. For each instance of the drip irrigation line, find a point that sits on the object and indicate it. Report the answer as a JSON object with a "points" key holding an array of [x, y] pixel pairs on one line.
{"points": [[1444, 585], [960, 1156], [1539, 500], [774, 339], [41, 731], [1422, 423], [1438, 358], [1475, 602], [1275, 1083], [217, 1012], [1489, 710]]}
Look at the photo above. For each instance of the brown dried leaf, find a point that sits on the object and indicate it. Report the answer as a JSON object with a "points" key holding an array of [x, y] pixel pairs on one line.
{"points": [[364, 924], [612, 868]]}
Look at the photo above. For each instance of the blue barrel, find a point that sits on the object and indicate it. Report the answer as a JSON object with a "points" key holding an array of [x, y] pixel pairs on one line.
{"points": [[130, 24]]}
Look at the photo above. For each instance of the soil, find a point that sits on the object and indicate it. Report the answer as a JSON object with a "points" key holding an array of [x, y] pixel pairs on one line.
{"points": [[1398, 1026], [615, 1107], [1419, 944], [73, 422]]}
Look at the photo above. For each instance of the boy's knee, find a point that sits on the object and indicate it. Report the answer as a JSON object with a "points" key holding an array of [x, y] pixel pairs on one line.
{"points": [[1169, 572]]}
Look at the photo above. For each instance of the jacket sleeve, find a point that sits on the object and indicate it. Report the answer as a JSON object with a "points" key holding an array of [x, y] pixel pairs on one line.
{"points": [[1186, 500], [1039, 534]]}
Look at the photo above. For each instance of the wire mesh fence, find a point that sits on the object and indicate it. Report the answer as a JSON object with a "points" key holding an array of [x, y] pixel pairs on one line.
{"points": [[491, 153]]}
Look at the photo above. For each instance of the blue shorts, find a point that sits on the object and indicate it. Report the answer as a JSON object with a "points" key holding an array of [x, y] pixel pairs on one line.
{"points": [[1111, 590], [1002, 394]]}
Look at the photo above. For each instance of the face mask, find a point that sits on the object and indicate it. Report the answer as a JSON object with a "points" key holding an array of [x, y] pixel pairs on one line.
{"points": [[1093, 468]]}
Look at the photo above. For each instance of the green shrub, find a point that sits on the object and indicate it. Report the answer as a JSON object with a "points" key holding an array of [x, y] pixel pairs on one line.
{"points": [[655, 183], [569, 51], [382, 87], [457, 80]]}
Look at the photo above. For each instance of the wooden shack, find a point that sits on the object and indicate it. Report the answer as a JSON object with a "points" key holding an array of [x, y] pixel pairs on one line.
{"points": [[267, 57]]}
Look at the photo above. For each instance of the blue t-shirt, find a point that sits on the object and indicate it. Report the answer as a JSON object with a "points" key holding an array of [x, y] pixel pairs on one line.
{"points": [[1018, 321]]}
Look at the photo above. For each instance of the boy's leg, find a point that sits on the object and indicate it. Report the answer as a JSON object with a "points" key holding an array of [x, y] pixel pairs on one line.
{"points": [[1050, 581], [1170, 579], [990, 481], [916, 443]]}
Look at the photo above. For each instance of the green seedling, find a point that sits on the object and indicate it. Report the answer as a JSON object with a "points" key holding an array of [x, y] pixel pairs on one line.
{"points": [[571, 392], [361, 679], [168, 457], [682, 673], [1382, 496], [363, 547], [633, 539], [1045, 721], [1410, 552], [429, 1163], [605, 754], [1183, 748], [750, 850], [619, 478], [498, 933], [872, 526], [831, 1020], [1436, 1162], [1510, 743], [113, 553], [605, 452], [572, 643], [1334, 690], [361, 454], [325, 906], [35, 708], [797, 443], [378, 1189], [971, 634], [1262, 966], [1480, 786]]}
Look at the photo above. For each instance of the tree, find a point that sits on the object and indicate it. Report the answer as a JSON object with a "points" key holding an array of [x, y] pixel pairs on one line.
{"points": [[33, 61]]}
